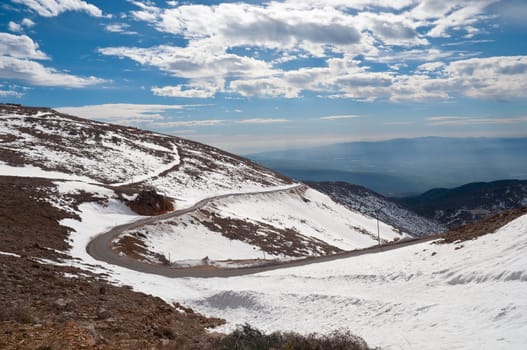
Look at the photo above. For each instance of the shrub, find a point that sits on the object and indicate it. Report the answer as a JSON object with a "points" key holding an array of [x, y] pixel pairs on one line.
{"points": [[19, 313], [245, 337]]}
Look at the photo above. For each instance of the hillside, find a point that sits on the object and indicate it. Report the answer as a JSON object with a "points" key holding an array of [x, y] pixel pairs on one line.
{"points": [[113, 163], [370, 203], [468, 203], [66, 180], [45, 143]]}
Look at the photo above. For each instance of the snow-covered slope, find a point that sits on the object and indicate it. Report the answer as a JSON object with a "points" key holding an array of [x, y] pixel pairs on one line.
{"points": [[470, 295], [375, 205], [45, 143], [297, 223]]}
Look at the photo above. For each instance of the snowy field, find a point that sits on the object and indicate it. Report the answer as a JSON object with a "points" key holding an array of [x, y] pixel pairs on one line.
{"points": [[424, 296], [420, 297], [470, 298]]}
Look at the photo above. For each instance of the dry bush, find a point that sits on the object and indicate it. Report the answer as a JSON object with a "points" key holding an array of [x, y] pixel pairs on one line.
{"points": [[246, 337]]}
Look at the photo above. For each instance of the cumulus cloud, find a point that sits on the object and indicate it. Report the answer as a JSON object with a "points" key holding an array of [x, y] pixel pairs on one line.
{"points": [[17, 53], [495, 77], [20, 46], [19, 27], [244, 48], [195, 90], [52, 8]]}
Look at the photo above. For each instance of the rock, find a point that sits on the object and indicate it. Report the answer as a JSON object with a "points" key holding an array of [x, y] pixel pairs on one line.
{"points": [[149, 202], [103, 314], [60, 304]]}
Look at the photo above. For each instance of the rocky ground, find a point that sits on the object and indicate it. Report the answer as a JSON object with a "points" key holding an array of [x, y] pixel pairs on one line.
{"points": [[488, 224], [45, 306]]}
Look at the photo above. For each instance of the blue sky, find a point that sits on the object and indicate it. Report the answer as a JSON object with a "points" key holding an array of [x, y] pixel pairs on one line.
{"points": [[254, 76]]}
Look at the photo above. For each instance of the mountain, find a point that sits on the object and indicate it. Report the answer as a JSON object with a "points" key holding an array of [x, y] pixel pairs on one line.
{"points": [[370, 203], [408, 166], [66, 180], [468, 203], [81, 269], [261, 214]]}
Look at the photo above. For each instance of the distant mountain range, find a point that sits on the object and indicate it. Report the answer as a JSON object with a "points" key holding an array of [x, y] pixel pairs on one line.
{"points": [[434, 211], [403, 167], [370, 203], [468, 203]]}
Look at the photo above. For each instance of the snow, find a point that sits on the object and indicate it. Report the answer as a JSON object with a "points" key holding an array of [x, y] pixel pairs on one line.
{"points": [[9, 254], [96, 219], [156, 171], [86, 148], [469, 298], [75, 187], [313, 214], [31, 171], [193, 241]]}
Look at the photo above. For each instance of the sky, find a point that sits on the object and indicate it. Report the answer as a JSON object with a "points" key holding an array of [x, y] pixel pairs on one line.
{"points": [[251, 76]]}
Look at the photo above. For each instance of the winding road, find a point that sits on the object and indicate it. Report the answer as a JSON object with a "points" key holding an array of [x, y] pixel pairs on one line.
{"points": [[100, 248]]}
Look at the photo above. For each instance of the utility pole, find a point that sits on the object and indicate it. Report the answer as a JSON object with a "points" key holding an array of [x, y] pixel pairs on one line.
{"points": [[378, 230]]}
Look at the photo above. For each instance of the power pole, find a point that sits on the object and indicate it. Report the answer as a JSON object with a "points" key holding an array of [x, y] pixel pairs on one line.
{"points": [[378, 230]]}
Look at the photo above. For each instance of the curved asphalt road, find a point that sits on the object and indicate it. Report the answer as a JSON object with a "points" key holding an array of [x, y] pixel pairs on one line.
{"points": [[100, 248]]}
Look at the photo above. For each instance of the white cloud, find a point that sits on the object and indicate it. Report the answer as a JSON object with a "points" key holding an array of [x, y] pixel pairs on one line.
{"points": [[26, 22], [240, 48], [14, 27], [20, 46], [16, 55], [52, 8], [10, 92], [265, 87], [36, 74], [195, 90], [121, 28], [19, 27], [262, 121], [188, 123], [340, 117], [119, 112], [464, 121], [431, 66]]}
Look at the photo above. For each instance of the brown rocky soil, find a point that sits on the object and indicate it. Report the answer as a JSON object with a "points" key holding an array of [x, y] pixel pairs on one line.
{"points": [[44, 306], [482, 227], [149, 202], [270, 239]]}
